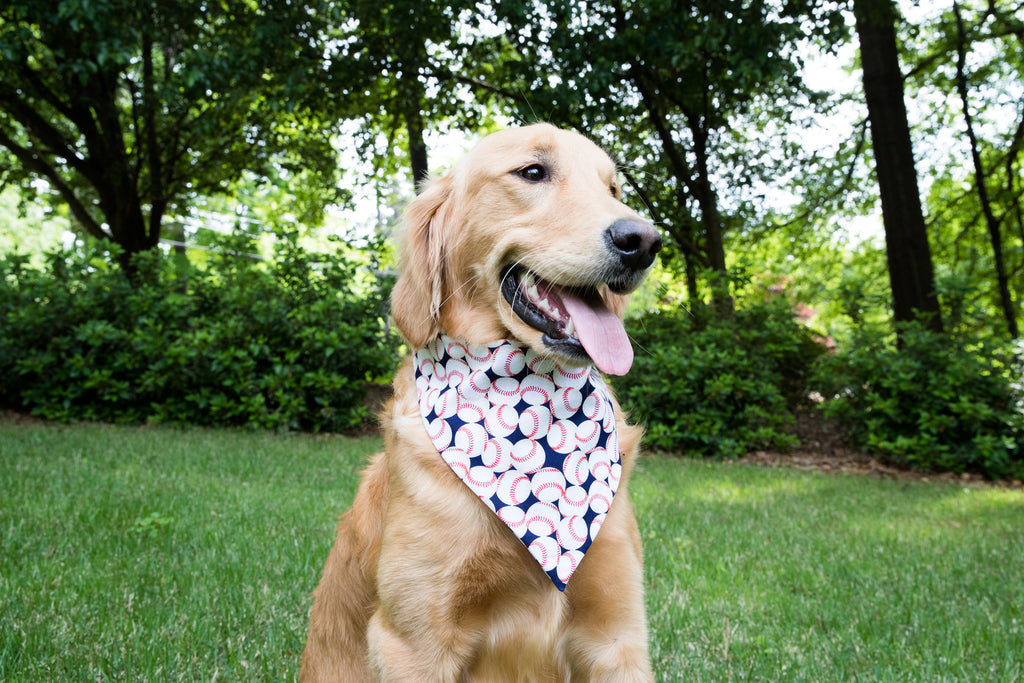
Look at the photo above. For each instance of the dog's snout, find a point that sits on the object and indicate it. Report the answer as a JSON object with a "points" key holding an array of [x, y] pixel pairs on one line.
{"points": [[635, 242]]}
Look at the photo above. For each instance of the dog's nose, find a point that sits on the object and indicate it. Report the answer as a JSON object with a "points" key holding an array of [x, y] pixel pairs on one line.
{"points": [[635, 242]]}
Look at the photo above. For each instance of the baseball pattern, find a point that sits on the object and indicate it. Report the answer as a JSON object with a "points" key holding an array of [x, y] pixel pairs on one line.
{"points": [[534, 441]]}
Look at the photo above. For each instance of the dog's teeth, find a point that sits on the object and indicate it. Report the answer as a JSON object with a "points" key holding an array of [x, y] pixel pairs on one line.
{"points": [[533, 293], [570, 328], [528, 281]]}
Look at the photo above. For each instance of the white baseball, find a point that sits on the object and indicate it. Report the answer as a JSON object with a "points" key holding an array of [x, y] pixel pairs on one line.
{"points": [[447, 403], [479, 353], [455, 348], [615, 476], [568, 563], [562, 436], [545, 550], [536, 389], [594, 406], [588, 433], [595, 526], [527, 456], [497, 454], [425, 403], [457, 460], [475, 386], [600, 464], [471, 438], [612, 446], [570, 377], [534, 422], [548, 485], [608, 416], [482, 481], [539, 364], [425, 364], [572, 532], [600, 497], [508, 360], [574, 501], [514, 518], [504, 390], [576, 468], [456, 371], [566, 402], [436, 347], [542, 519], [513, 488], [501, 420], [472, 411], [440, 433]]}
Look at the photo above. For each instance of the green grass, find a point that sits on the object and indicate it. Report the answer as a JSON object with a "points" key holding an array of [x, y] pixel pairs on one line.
{"points": [[141, 554]]}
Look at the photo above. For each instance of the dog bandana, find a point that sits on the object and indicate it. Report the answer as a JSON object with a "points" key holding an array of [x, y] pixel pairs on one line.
{"points": [[534, 441]]}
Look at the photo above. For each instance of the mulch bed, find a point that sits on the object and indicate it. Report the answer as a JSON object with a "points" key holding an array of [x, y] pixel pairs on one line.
{"points": [[824, 448]]}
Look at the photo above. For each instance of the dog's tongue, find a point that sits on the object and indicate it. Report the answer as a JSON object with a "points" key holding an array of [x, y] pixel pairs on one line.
{"points": [[601, 333]]}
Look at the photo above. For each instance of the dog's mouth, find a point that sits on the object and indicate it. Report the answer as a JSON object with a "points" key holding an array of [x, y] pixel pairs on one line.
{"points": [[575, 321]]}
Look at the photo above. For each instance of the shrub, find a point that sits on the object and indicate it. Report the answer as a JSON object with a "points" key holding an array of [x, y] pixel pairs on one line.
{"points": [[721, 386], [289, 344], [938, 403]]}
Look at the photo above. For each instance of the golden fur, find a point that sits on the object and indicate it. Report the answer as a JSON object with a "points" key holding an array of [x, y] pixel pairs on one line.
{"points": [[424, 583]]}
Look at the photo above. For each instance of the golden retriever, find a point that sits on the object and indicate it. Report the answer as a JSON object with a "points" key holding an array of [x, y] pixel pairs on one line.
{"points": [[424, 582]]}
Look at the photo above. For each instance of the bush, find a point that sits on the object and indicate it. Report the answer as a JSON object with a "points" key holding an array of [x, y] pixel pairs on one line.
{"points": [[287, 345], [938, 403], [719, 387]]}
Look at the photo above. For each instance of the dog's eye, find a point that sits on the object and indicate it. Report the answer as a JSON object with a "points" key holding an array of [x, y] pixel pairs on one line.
{"points": [[533, 173]]}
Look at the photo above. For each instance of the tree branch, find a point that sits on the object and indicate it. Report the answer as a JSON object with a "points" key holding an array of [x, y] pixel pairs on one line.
{"points": [[32, 162]]}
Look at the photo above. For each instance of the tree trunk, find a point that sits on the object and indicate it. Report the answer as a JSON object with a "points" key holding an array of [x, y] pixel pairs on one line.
{"points": [[911, 276], [412, 101], [711, 220], [417, 148], [697, 183], [981, 182]]}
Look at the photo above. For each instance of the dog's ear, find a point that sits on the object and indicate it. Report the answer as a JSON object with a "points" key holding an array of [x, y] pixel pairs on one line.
{"points": [[422, 286]]}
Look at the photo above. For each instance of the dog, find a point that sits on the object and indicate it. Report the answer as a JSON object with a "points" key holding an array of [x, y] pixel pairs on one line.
{"points": [[522, 255]]}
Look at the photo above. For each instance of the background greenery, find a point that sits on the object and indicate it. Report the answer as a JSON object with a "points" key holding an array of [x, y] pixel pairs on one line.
{"points": [[184, 554], [292, 346], [172, 172]]}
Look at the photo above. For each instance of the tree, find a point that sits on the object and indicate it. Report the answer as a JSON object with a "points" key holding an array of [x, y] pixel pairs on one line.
{"points": [[968, 58], [669, 86], [128, 108], [911, 274], [981, 178], [408, 53]]}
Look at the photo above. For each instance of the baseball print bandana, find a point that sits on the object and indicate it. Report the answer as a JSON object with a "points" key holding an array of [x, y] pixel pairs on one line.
{"points": [[534, 441]]}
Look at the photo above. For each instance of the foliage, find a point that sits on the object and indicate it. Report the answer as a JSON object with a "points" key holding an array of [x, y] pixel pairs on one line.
{"points": [[719, 386], [287, 346], [409, 55], [937, 403], [128, 109], [968, 59], [690, 108]]}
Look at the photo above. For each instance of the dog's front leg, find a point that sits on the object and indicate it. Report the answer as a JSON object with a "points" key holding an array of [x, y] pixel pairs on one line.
{"points": [[397, 657], [607, 638], [424, 627]]}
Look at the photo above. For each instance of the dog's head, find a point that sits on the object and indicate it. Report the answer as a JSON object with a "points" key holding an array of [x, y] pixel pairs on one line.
{"points": [[526, 239]]}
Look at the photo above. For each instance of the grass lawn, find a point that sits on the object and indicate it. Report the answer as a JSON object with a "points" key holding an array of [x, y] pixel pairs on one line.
{"points": [[145, 554]]}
